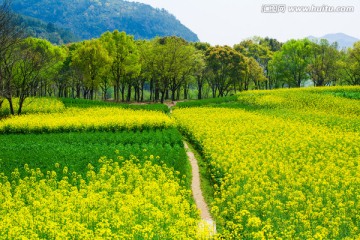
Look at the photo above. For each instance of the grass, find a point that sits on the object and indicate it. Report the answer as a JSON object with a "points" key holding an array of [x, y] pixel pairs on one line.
{"points": [[84, 103], [206, 102], [350, 95], [77, 150]]}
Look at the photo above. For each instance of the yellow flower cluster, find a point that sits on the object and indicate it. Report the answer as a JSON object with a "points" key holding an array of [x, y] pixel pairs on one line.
{"points": [[89, 119], [36, 105], [120, 201], [305, 99], [278, 178]]}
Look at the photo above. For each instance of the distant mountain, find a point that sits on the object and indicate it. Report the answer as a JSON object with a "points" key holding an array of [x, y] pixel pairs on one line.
{"points": [[36, 28], [90, 18], [343, 40]]}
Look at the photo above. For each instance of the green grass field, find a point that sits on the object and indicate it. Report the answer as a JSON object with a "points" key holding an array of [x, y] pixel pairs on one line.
{"points": [[83, 103], [77, 150]]}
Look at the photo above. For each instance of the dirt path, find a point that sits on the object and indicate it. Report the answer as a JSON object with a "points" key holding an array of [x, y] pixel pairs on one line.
{"points": [[171, 104], [207, 222]]}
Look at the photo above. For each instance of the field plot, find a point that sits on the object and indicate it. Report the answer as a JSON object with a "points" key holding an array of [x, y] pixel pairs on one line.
{"points": [[121, 201], [34, 105], [83, 103], [334, 107], [281, 175], [77, 150], [89, 119], [53, 184]]}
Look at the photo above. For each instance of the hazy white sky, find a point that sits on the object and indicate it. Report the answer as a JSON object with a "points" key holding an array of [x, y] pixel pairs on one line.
{"points": [[230, 21]]}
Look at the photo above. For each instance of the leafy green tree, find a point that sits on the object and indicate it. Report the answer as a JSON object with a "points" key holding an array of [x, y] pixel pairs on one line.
{"points": [[151, 64], [146, 73], [105, 85], [273, 44], [50, 75], [201, 71], [322, 67], [350, 65], [186, 66], [132, 74], [290, 64], [262, 54], [201, 46], [250, 48], [125, 64], [62, 82], [172, 63], [35, 60], [70, 80], [94, 61], [226, 65], [254, 73]]}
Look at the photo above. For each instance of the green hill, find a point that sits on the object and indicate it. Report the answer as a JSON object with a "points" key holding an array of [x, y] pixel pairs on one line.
{"points": [[90, 18], [39, 29]]}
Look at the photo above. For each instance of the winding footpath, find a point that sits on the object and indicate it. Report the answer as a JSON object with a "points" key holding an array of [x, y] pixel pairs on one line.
{"points": [[207, 224]]}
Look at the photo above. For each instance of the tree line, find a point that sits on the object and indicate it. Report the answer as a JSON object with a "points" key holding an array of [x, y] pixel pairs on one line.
{"points": [[117, 67]]}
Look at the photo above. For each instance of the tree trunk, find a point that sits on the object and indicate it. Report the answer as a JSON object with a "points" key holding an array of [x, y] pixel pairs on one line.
{"points": [[136, 93], [200, 87], [213, 91], [157, 94], [151, 89], [115, 93], [173, 92], [186, 91], [91, 94], [167, 94], [78, 92], [142, 91], [123, 94], [129, 93], [162, 96], [178, 94], [11, 106], [221, 92], [21, 103]]}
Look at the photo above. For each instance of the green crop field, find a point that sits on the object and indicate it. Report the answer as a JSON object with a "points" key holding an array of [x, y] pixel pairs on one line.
{"points": [[94, 172], [281, 164], [77, 150]]}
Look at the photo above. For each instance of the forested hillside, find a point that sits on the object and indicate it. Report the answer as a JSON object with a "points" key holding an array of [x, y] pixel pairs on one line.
{"points": [[36, 28], [90, 18]]}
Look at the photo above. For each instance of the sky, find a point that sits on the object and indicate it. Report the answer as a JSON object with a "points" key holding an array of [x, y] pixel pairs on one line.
{"points": [[227, 22]]}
